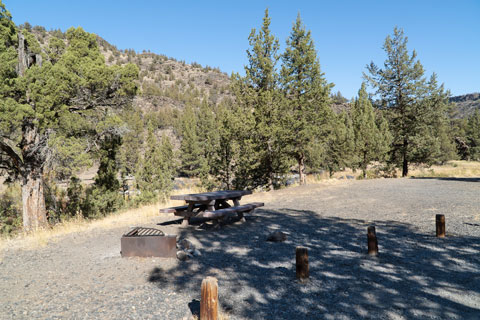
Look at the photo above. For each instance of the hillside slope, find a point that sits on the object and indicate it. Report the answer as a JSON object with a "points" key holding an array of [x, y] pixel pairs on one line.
{"points": [[466, 104]]}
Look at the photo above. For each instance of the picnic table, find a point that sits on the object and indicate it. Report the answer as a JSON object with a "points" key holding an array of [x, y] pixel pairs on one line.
{"points": [[212, 205]]}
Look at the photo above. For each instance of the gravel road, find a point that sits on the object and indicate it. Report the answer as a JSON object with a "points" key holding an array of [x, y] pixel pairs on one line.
{"points": [[415, 275]]}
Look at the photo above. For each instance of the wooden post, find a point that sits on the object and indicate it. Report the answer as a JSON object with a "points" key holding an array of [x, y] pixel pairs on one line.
{"points": [[209, 299], [302, 263], [440, 224], [372, 241]]}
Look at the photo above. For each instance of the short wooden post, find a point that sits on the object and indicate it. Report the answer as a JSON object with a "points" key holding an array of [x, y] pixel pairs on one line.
{"points": [[440, 224], [372, 241], [209, 299], [302, 263]]}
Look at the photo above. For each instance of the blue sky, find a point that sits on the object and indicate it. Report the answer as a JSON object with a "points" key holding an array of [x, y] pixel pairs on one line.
{"points": [[347, 34]]}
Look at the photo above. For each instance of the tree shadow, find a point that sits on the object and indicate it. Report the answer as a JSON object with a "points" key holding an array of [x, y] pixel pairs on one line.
{"points": [[473, 179], [415, 275]]}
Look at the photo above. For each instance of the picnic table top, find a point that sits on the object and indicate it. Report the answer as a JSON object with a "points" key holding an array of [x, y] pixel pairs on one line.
{"points": [[208, 196]]}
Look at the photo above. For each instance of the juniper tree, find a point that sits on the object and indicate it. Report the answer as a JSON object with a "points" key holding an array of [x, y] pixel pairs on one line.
{"points": [[308, 115], [39, 101]]}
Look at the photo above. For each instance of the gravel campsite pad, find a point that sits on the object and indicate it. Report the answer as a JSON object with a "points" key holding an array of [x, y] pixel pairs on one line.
{"points": [[415, 275]]}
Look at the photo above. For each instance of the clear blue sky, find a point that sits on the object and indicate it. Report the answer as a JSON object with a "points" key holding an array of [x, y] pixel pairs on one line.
{"points": [[347, 34]]}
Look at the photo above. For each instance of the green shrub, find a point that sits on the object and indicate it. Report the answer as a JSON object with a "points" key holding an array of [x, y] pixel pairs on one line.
{"points": [[11, 210]]}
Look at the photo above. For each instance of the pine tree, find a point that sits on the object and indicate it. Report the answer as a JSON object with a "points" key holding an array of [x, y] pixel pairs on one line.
{"points": [[208, 139], [223, 165], [157, 170], [129, 155], [263, 161], [407, 98], [340, 147], [371, 141], [473, 135], [308, 113], [438, 107], [193, 162]]}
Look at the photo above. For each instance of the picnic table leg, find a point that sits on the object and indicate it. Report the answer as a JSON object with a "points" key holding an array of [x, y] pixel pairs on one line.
{"points": [[186, 220], [211, 206], [236, 203]]}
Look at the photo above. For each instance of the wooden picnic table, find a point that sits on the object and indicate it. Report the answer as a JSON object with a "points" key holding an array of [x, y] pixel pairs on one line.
{"points": [[213, 205]]}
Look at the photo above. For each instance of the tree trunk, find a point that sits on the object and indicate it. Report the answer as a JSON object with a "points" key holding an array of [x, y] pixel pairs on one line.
{"points": [[33, 200], [405, 161], [301, 168], [34, 158]]}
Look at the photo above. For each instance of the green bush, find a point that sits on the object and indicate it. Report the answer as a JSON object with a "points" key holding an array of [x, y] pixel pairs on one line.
{"points": [[11, 210], [100, 201]]}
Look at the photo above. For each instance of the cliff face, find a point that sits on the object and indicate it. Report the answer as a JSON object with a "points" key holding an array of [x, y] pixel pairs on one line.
{"points": [[466, 104], [26, 58]]}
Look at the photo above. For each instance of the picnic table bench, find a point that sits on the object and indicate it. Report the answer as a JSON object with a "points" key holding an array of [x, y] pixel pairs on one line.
{"points": [[212, 205]]}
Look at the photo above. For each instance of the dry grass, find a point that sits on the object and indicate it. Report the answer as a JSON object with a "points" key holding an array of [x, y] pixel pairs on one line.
{"points": [[457, 169], [146, 213], [76, 225]]}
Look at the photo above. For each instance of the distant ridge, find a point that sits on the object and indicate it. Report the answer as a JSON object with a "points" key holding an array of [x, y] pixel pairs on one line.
{"points": [[466, 104]]}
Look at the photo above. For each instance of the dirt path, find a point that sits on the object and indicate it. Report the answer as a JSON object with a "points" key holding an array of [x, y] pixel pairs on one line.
{"points": [[416, 276]]}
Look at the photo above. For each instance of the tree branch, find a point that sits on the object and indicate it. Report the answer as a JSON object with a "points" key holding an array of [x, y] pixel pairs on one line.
{"points": [[12, 154]]}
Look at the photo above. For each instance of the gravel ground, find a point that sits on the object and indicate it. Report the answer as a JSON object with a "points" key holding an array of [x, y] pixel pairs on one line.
{"points": [[415, 276]]}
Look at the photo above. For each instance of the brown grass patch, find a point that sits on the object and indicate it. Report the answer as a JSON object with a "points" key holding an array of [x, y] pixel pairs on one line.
{"points": [[123, 218], [452, 169]]}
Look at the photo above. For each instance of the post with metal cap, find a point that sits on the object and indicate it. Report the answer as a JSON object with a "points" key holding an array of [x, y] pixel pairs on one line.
{"points": [[302, 263], [440, 224], [209, 299], [372, 241]]}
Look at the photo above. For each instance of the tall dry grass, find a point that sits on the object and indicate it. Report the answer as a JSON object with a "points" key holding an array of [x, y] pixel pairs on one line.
{"points": [[452, 169], [123, 218]]}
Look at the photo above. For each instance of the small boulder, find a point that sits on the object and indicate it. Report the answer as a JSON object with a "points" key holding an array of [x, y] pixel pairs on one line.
{"points": [[182, 255], [277, 236], [184, 244]]}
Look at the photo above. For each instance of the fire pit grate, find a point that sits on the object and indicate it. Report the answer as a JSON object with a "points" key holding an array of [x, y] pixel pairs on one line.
{"points": [[142, 232], [148, 242]]}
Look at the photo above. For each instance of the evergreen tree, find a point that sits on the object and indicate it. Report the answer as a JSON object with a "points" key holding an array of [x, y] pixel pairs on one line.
{"points": [[473, 135], [223, 165], [104, 197], [371, 141], [410, 102], [193, 162], [263, 162], [157, 170], [208, 140], [44, 100], [132, 142], [308, 115], [340, 147], [438, 107]]}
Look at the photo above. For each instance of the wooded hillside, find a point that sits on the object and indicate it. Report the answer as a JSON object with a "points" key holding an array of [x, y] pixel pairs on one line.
{"points": [[70, 100]]}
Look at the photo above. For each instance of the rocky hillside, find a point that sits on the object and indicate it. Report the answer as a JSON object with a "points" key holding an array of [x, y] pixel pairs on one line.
{"points": [[167, 82], [164, 81], [466, 104]]}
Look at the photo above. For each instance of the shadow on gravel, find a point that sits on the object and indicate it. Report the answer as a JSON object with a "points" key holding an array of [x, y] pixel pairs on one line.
{"points": [[476, 179], [415, 275]]}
